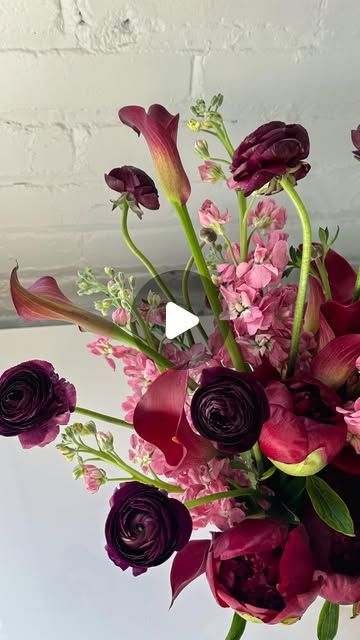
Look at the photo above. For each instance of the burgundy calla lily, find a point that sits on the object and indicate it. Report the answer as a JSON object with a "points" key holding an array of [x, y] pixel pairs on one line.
{"points": [[159, 418], [334, 364], [45, 301], [159, 129]]}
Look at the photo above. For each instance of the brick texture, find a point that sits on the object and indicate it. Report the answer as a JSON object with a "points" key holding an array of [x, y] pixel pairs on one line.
{"points": [[68, 65]]}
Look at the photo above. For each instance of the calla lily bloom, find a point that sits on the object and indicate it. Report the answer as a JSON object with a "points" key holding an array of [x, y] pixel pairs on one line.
{"points": [[45, 301], [159, 129], [334, 364], [159, 418]]}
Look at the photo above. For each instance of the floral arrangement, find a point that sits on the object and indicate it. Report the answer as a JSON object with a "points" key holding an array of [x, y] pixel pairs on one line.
{"points": [[253, 429]]}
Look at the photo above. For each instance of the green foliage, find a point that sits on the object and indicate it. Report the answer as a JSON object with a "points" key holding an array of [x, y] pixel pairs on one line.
{"points": [[237, 628], [328, 621], [329, 506]]}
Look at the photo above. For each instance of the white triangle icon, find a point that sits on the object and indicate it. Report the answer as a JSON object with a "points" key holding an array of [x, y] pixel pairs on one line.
{"points": [[178, 320]]}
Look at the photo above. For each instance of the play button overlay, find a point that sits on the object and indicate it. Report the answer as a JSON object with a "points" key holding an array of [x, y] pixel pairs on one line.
{"points": [[178, 320]]}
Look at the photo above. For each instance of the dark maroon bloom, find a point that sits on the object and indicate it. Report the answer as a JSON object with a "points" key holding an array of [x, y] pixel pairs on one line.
{"points": [[229, 409], [144, 527], [337, 556], [355, 137], [34, 401], [258, 568], [304, 431], [268, 153], [136, 183]]}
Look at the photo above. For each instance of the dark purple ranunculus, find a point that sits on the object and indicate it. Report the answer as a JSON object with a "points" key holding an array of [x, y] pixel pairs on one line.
{"points": [[144, 527], [337, 556], [267, 154], [355, 137], [34, 401], [229, 408], [137, 183]]}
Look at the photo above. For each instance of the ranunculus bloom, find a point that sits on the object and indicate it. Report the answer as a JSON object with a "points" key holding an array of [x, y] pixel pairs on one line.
{"points": [[144, 527], [258, 568], [267, 154], [229, 409], [337, 556], [355, 137], [34, 401], [210, 216], [159, 129], [135, 182], [304, 431]]}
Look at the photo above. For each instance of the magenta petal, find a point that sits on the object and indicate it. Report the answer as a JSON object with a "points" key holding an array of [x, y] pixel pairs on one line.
{"points": [[339, 588], [188, 564], [315, 299], [342, 318], [251, 536], [166, 119], [159, 412], [342, 277], [296, 564], [326, 333], [334, 364]]}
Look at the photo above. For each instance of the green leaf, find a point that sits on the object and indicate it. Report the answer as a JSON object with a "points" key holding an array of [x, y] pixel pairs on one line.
{"points": [[237, 628], [329, 506], [268, 473], [328, 621]]}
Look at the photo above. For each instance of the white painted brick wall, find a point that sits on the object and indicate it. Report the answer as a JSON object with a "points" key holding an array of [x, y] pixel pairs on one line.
{"points": [[67, 65]]}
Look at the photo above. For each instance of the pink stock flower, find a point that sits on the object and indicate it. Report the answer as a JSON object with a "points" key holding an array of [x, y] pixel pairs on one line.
{"points": [[93, 478], [268, 215], [210, 216], [240, 307], [159, 129], [102, 347], [351, 413], [210, 171], [121, 317]]}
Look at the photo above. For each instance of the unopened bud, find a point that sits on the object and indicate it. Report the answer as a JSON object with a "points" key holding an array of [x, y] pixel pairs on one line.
{"points": [[67, 452], [105, 440], [194, 125], [208, 235], [202, 149]]}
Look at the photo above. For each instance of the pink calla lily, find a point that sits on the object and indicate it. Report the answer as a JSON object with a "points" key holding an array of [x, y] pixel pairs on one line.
{"points": [[45, 301], [159, 418], [334, 364], [159, 129]]}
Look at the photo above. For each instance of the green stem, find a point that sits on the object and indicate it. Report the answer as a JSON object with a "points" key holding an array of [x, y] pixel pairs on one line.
{"points": [[186, 295], [136, 251], [304, 271], [324, 279], [243, 226], [220, 160], [210, 289], [356, 295], [258, 459], [231, 250], [235, 493], [143, 324], [104, 417]]}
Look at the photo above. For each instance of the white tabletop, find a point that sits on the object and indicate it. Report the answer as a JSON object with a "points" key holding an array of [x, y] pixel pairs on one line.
{"points": [[55, 578]]}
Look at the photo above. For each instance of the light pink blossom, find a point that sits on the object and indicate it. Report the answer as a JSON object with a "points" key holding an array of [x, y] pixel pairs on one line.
{"points": [[210, 216], [240, 307], [121, 317], [103, 347], [93, 478], [210, 171], [268, 215], [351, 413]]}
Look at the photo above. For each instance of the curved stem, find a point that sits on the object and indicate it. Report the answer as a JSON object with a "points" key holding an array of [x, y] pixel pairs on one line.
{"points": [[104, 417], [143, 324], [220, 160], [210, 289], [356, 295], [136, 251], [235, 493], [185, 291], [324, 279], [304, 272], [231, 250]]}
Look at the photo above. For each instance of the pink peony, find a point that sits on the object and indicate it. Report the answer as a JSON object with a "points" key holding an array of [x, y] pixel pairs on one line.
{"points": [[268, 215], [210, 215]]}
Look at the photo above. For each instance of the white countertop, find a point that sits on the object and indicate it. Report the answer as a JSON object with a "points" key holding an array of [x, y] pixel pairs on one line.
{"points": [[55, 578]]}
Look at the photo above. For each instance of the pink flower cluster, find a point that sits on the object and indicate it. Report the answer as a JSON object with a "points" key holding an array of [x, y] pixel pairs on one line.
{"points": [[261, 312]]}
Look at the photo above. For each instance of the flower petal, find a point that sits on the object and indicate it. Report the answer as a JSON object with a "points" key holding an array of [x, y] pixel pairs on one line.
{"points": [[188, 564], [342, 277], [334, 364], [342, 318], [159, 412]]}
